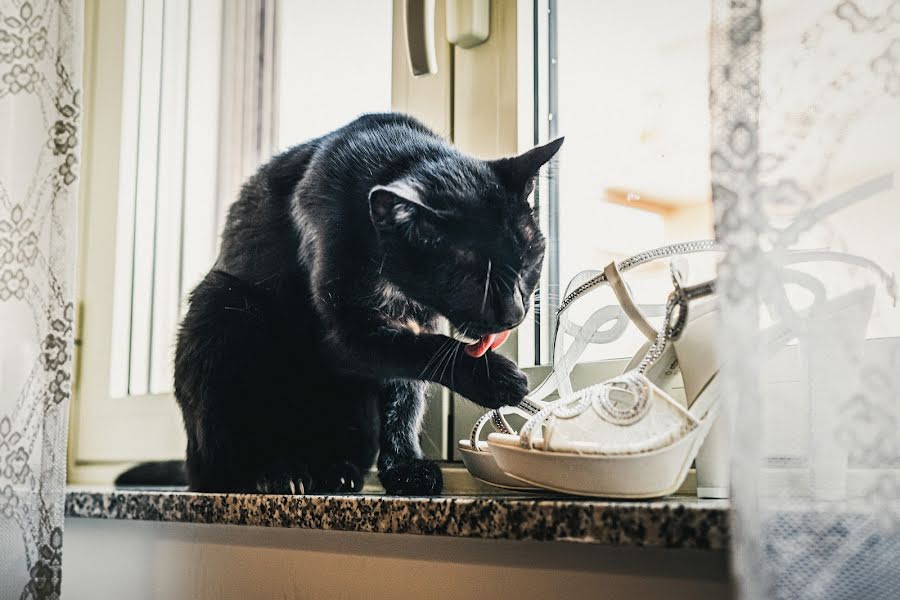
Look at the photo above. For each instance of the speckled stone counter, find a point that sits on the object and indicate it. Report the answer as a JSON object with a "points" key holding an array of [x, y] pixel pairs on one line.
{"points": [[677, 522]]}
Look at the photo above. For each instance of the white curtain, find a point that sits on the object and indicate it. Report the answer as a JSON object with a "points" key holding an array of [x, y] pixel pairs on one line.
{"points": [[805, 104], [40, 129]]}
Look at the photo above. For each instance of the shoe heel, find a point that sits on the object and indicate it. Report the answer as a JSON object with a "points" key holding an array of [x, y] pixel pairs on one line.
{"points": [[712, 462]]}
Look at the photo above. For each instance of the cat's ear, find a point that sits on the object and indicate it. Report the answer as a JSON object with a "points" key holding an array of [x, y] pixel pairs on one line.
{"points": [[518, 172], [394, 204]]}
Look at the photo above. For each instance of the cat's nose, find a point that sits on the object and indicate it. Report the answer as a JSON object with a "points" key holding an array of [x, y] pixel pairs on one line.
{"points": [[510, 311]]}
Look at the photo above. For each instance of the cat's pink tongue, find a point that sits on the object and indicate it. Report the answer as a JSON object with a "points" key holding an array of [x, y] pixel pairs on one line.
{"points": [[491, 341]]}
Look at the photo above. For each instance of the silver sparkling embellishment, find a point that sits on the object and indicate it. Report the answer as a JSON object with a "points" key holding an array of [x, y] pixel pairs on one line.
{"points": [[498, 422], [623, 400], [473, 437], [637, 260]]}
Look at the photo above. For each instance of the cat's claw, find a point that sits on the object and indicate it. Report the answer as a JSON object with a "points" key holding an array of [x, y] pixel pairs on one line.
{"points": [[412, 477], [284, 484], [337, 477]]}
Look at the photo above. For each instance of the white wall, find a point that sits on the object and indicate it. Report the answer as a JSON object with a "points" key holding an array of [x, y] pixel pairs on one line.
{"points": [[136, 560]]}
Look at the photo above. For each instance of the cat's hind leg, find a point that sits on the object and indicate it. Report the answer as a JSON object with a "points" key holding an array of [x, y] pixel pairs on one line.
{"points": [[230, 360]]}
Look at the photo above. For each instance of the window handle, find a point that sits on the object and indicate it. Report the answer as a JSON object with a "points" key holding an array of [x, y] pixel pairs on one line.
{"points": [[468, 22], [468, 25], [419, 17]]}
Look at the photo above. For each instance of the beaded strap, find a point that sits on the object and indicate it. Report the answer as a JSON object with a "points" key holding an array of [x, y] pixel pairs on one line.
{"points": [[634, 381], [637, 260]]}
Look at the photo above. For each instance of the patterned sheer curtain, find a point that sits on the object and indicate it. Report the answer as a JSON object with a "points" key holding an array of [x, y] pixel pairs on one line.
{"points": [[805, 103], [40, 114]]}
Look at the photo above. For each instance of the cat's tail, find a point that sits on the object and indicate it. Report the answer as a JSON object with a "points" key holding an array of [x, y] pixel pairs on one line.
{"points": [[154, 473]]}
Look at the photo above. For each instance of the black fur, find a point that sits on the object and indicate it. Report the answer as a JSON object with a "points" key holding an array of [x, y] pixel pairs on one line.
{"points": [[160, 473], [305, 350]]}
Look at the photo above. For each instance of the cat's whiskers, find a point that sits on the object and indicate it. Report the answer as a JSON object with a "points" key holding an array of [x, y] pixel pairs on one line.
{"points": [[446, 353], [434, 357], [453, 354], [509, 269], [508, 286], [436, 367], [445, 348], [543, 297], [539, 301], [453, 370], [448, 356], [487, 284]]}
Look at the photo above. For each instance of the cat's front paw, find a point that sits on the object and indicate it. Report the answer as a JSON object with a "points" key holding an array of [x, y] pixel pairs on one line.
{"points": [[336, 477], [498, 382], [290, 482], [412, 477]]}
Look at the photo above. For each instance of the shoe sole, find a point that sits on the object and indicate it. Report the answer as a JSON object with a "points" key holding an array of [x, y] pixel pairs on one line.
{"points": [[482, 466]]}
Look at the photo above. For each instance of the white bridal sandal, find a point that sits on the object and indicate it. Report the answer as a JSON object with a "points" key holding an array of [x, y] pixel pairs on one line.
{"points": [[602, 326], [628, 437]]}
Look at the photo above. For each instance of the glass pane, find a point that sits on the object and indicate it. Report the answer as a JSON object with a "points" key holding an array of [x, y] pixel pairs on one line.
{"points": [[626, 84]]}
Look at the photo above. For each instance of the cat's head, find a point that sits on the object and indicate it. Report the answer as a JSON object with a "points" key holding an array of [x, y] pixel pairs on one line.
{"points": [[458, 235]]}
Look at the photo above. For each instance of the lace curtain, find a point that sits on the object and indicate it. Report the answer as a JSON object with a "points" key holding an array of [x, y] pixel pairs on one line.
{"points": [[40, 117], [805, 105]]}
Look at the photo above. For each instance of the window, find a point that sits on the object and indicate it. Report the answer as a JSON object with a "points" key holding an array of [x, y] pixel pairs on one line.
{"points": [[626, 83], [187, 98], [169, 144], [151, 121], [184, 100], [169, 211]]}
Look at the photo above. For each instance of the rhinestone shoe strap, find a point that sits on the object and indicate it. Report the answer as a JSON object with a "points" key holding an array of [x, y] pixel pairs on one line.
{"points": [[631, 262], [673, 325]]}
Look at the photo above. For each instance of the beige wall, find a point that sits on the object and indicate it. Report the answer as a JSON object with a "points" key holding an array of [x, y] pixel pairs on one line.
{"points": [[137, 560]]}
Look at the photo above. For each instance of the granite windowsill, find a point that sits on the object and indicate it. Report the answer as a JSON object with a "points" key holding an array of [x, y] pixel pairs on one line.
{"points": [[675, 522]]}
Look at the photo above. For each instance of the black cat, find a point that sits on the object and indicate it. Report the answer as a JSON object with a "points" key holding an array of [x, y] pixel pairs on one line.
{"points": [[306, 348]]}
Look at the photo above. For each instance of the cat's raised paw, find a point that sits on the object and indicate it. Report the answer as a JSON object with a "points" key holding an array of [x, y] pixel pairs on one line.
{"points": [[498, 382], [412, 477]]}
